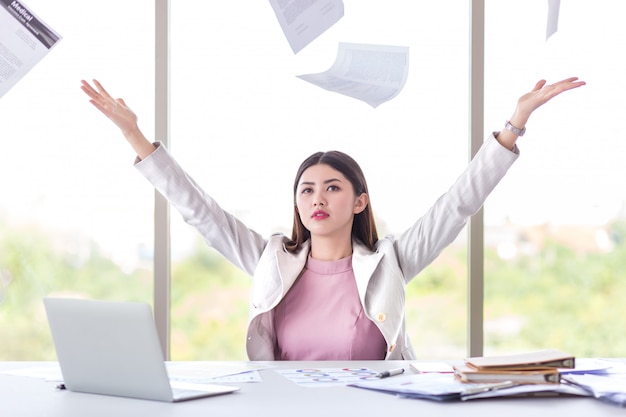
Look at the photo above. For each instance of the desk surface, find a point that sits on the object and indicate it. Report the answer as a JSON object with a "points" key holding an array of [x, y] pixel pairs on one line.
{"points": [[276, 396]]}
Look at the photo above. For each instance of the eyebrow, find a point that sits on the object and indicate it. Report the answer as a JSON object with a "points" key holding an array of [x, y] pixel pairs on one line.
{"points": [[328, 181]]}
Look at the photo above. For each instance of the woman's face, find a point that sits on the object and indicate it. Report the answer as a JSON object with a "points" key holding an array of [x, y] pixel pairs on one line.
{"points": [[326, 201]]}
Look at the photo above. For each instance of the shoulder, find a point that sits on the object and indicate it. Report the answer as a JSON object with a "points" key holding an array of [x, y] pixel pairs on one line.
{"points": [[276, 244], [386, 244], [277, 240]]}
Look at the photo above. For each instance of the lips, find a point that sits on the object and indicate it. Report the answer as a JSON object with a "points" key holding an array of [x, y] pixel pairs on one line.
{"points": [[319, 215]]}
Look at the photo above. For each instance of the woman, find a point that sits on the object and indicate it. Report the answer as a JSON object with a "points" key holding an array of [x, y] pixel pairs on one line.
{"points": [[333, 291]]}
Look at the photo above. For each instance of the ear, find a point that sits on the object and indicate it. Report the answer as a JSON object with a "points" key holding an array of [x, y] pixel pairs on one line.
{"points": [[361, 203]]}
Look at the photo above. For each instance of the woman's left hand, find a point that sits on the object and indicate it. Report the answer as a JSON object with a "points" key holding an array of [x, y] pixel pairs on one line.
{"points": [[543, 93], [529, 102]]}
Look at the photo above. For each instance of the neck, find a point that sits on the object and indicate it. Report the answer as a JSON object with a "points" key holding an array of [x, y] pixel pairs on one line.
{"points": [[330, 248]]}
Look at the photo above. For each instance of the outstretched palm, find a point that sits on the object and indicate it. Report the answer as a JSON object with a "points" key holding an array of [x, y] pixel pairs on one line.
{"points": [[542, 93], [114, 109]]}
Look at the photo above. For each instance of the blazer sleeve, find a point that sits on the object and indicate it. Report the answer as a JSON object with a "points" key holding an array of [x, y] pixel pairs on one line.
{"points": [[220, 229], [441, 224]]}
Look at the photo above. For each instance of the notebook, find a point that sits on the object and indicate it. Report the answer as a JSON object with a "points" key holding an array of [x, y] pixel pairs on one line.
{"points": [[112, 348]]}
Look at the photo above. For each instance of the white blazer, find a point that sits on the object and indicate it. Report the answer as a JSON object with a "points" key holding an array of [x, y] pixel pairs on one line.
{"points": [[381, 276]]}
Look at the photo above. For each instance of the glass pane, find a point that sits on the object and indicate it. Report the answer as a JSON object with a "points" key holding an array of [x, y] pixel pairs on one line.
{"points": [[242, 123], [555, 225], [75, 219]]}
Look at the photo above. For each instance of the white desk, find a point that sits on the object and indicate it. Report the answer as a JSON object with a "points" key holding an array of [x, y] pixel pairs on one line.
{"points": [[276, 396]]}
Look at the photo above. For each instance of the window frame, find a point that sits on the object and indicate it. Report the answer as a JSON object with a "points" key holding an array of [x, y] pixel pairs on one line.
{"points": [[162, 243]]}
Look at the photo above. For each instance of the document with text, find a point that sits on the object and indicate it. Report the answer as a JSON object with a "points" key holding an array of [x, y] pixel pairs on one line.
{"points": [[303, 21], [371, 73], [24, 40]]}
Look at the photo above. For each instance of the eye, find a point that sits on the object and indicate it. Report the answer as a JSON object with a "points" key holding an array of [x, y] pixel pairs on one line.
{"points": [[306, 191], [332, 188]]}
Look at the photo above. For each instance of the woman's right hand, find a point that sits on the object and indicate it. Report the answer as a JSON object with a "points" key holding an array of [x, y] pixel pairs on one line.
{"points": [[120, 114], [114, 109]]}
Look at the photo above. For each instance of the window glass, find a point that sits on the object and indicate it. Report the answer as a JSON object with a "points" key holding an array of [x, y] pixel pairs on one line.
{"points": [[555, 226], [75, 217], [242, 123]]}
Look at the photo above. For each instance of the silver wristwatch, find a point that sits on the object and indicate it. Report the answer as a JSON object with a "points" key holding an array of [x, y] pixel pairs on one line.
{"points": [[517, 131]]}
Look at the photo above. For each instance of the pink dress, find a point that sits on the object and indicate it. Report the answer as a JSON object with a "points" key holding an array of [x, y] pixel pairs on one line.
{"points": [[321, 318]]}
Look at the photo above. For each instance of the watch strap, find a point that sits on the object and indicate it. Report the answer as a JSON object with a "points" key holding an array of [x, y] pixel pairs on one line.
{"points": [[516, 130]]}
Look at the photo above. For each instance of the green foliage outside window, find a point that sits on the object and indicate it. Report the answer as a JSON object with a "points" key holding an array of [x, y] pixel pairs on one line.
{"points": [[556, 298], [34, 265]]}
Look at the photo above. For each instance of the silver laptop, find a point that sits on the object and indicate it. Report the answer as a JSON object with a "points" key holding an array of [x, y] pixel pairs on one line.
{"points": [[112, 348]]}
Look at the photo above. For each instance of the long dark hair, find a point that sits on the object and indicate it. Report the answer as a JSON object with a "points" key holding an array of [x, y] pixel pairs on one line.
{"points": [[363, 227]]}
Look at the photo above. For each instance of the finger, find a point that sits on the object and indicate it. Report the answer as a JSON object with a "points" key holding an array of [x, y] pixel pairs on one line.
{"points": [[539, 85], [88, 89], [567, 80], [85, 84], [101, 89], [568, 84], [97, 98], [93, 95]]}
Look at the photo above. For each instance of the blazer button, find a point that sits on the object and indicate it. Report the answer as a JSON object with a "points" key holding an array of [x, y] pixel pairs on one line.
{"points": [[392, 347], [381, 317]]}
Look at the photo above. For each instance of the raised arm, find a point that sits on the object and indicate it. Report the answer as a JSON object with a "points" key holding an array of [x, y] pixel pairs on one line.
{"points": [[440, 225], [120, 114], [529, 102]]}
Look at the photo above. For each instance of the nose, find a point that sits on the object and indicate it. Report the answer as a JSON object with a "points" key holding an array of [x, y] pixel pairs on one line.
{"points": [[318, 200]]}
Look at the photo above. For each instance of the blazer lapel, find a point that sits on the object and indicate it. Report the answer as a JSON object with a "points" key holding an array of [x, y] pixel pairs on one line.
{"points": [[290, 266], [364, 263]]}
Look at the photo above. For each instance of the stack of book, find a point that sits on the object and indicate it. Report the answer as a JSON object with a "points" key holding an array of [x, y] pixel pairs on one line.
{"points": [[538, 367]]}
